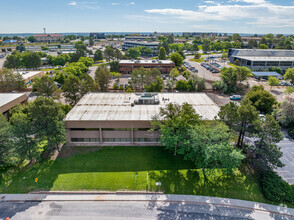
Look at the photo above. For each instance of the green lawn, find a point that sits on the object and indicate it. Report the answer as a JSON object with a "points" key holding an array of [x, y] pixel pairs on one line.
{"points": [[126, 168], [198, 60]]}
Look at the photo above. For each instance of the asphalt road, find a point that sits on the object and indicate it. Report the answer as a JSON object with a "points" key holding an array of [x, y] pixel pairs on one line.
{"points": [[287, 147], [126, 210]]}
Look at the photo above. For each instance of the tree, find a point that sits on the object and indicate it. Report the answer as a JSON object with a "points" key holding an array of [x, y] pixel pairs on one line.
{"points": [[162, 54], [91, 42], [109, 53], [237, 62], [170, 84], [195, 47], [243, 73], [210, 147], [45, 86], [98, 55], [261, 99], [80, 45], [114, 66], [10, 81], [285, 113], [71, 90], [206, 45], [236, 37], [31, 60], [266, 154], [182, 85], [156, 86], [289, 90], [47, 120], [240, 119], [13, 61], [289, 75], [174, 122], [177, 59], [61, 59], [102, 77], [273, 81], [165, 45], [229, 77], [170, 39], [31, 39], [263, 46], [133, 52], [26, 146], [87, 61], [174, 73], [6, 138]]}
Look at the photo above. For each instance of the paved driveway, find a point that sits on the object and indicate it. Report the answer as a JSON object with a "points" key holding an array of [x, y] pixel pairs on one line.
{"points": [[287, 172]]}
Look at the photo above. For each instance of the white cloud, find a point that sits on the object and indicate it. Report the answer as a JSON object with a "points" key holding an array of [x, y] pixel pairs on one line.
{"points": [[85, 5], [259, 13], [114, 3], [132, 3], [72, 3]]}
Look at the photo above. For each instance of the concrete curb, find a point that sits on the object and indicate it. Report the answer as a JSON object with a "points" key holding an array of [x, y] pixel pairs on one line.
{"points": [[139, 197]]}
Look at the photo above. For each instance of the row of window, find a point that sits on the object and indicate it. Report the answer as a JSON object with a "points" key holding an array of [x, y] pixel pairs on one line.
{"points": [[109, 129], [115, 140]]}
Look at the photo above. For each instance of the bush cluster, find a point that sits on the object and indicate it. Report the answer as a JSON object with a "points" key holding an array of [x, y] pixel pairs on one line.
{"points": [[276, 189]]}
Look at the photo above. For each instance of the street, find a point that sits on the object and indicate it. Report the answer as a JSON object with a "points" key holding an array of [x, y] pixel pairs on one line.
{"points": [[127, 210]]}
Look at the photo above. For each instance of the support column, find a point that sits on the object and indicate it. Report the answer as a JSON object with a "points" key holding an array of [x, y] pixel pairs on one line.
{"points": [[101, 136], [132, 135]]}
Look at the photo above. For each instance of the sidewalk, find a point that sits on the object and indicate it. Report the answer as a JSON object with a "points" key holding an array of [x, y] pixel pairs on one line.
{"points": [[133, 196]]}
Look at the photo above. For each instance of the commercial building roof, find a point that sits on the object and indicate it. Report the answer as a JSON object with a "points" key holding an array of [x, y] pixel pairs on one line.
{"points": [[146, 61], [264, 58], [48, 35], [142, 43], [29, 74], [261, 74], [117, 106], [8, 100], [262, 53]]}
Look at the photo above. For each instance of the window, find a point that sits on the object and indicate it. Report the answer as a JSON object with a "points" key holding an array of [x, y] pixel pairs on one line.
{"points": [[146, 140], [86, 140], [116, 140], [84, 129], [116, 129], [141, 129]]}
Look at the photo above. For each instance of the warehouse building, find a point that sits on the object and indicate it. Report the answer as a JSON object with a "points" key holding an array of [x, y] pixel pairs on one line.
{"points": [[109, 119], [261, 59], [164, 66], [152, 45], [9, 100]]}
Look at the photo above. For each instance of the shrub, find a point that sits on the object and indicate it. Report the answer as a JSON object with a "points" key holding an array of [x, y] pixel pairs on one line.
{"points": [[290, 195], [274, 187], [291, 132]]}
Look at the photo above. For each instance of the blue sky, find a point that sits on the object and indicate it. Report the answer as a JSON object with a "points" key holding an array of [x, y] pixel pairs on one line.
{"points": [[243, 16]]}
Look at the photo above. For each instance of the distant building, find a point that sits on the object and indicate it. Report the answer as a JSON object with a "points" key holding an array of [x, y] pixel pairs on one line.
{"points": [[9, 100], [10, 41], [109, 119], [138, 38], [152, 45], [97, 35], [164, 66], [48, 37], [34, 48], [261, 59], [30, 75]]}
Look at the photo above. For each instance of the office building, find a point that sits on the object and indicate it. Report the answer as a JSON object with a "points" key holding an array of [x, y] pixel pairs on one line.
{"points": [[261, 59], [164, 66], [109, 119], [9, 100], [28, 76], [152, 45], [97, 35], [48, 37]]}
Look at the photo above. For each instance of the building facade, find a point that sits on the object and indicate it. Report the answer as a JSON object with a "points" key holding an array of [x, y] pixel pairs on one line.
{"points": [[109, 119], [48, 37], [164, 66], [152, 45], [97, 35], [9, 100], [261, 59]]}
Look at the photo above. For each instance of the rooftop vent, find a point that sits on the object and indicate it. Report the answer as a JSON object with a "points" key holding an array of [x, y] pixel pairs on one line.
{"points": [[147, 99]]}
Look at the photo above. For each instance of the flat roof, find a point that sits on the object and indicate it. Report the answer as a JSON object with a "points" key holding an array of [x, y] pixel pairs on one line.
{"points": [[29, 74], [117, 106], [266, 74], [146, 61], [257, 58], [142, 42], [6, 99]]}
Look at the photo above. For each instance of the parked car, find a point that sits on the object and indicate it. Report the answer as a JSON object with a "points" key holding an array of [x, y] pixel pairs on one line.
{"points": [[235, 97]]}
